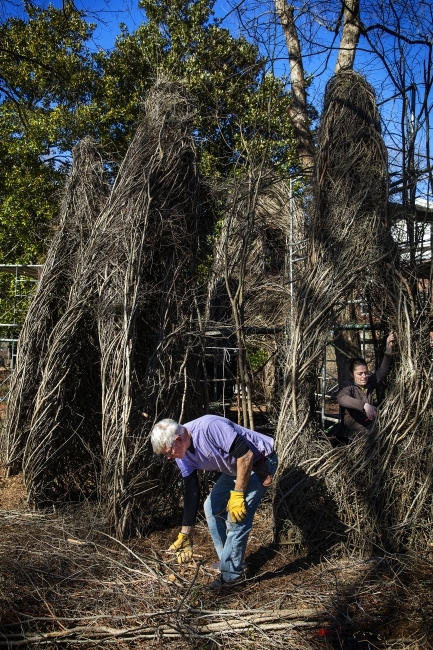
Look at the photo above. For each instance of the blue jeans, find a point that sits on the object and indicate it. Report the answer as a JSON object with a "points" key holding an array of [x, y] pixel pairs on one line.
{"points": [[230, 538]]}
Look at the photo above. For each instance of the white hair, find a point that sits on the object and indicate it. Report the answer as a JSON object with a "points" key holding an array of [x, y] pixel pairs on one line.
{"points": [[164, 433]]}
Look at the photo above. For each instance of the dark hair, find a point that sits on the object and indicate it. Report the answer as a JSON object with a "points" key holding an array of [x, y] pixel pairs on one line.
{"points": [[357, 361]]}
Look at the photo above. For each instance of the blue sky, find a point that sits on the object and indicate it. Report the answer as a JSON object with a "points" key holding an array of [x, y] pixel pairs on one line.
{"points": [[108, 14]]}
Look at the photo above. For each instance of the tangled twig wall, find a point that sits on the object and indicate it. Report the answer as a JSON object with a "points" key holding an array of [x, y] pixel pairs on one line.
{"points": [[374, 493], [121, 355]]}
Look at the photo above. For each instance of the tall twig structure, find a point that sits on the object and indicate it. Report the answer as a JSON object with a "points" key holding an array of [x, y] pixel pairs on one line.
{"points": [[84, 195], [251, 270], [147, 294]]}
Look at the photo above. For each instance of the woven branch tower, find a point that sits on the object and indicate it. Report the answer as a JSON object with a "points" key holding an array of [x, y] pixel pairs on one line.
{"points": [[376, 492], [147, 298], [259, 215], [85, 193]]}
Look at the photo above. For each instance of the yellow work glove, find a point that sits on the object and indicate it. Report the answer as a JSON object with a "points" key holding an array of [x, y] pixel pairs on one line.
{"points": [[183, 548], [236, 506]]}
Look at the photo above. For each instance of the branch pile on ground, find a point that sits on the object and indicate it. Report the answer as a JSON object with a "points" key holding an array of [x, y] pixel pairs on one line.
{"points": [[84, 195], [126, 328], [67, 583], [374, 492]]}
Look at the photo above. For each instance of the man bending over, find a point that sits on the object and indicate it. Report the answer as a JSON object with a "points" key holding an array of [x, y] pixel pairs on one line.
{"points": [[247, 461]]}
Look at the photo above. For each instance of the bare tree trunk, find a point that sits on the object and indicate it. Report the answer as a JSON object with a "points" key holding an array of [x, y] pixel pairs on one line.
{"points": [[350, 36], [238, 402], [298, 106]]}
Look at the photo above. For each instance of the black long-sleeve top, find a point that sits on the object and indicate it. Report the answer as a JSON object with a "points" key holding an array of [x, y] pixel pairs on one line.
{"points": [[352, 397]]}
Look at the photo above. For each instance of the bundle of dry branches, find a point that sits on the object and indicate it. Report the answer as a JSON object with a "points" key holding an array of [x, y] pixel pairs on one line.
{"points": [[397, 458], [252, 250], [84, 195], [374, 493], [67, 583]]}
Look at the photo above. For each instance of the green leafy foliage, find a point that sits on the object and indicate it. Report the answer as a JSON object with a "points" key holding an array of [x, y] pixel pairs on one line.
{"points": [[257, 356], [241, 109], [46, 72]]}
